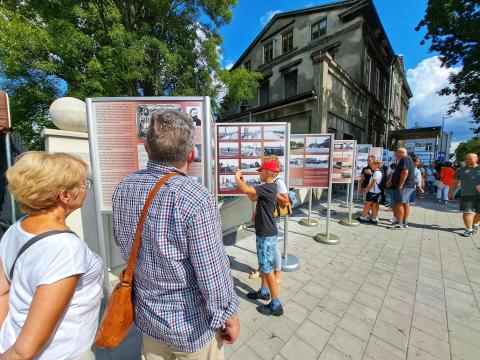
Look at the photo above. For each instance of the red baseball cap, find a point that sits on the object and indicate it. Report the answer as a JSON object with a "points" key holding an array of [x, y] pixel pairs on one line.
{"points": [[271, 166]]}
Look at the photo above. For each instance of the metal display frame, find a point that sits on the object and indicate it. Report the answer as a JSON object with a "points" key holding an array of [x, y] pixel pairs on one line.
{"points": [[309, 221], [290, 262], [349, 221], [327, 237], [102, 215]]}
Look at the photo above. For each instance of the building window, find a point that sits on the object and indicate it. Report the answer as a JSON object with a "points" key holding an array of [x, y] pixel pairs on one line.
{"points": [[268, 52], [368, 71], [247, 65], [373, 80], [429, 147], [264, 93], [377, 83], [287, 41], [290, 84], [319, 29]]}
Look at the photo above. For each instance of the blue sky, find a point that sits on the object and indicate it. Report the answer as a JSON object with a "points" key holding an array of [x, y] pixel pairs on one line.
{"points": [[399, 18]]}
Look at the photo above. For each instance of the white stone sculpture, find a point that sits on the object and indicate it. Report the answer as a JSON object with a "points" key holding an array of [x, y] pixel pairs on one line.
{"points": [[69, 114]]}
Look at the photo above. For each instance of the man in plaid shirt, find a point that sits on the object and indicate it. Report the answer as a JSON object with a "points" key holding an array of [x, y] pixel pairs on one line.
{"points": [[184, 297]]}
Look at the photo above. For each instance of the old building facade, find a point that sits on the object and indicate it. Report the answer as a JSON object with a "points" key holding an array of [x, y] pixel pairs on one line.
{"points": [[331, 69]]}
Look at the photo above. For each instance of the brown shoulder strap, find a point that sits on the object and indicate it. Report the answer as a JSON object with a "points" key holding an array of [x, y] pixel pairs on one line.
{"points": [[128, 274]]}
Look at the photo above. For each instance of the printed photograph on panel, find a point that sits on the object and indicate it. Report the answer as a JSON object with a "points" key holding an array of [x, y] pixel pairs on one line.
{"points": [[274, 148], [296, 161], [347, 155], [252, 180], [250, 165], [337, 146], [297, 144], [227, 183], [228, 149], [337, 154], [347, 166], [318, 144], [346, 175], [251, 133], [228, 166], [316, 162], [348, 146], [274, 132], [194, 113], [198, 153], [228, 133], [363, 149], [251, 149], [144, 113]]}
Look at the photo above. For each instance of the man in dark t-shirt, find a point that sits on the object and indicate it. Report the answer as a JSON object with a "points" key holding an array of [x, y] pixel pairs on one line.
{"points": [[266, 231], [403, 184], [366, 175]]}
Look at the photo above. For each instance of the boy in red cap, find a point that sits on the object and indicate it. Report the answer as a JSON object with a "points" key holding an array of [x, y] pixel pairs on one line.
{"points": [[266, 230]]}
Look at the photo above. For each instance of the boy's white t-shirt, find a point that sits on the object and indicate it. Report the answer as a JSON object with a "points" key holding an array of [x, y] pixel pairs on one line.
{"points": [[45, 262], [377, 175]]}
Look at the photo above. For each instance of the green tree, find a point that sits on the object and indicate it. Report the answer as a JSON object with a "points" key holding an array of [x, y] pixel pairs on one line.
{"points": [[107, 48], [241, 85], [467, 147], [453, 27]]}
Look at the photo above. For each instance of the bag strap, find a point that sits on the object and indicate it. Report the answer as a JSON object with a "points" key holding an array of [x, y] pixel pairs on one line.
{"points": [[128, 274], [34, 240]]}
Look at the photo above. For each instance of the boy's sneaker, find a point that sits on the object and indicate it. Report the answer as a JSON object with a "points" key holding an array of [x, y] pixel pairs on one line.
{"points": [[374, 222], [258, 295], [467, 233], [269, 309], [396, 227], [405, 226], [393, 221], [475, 229], [362, 220]]}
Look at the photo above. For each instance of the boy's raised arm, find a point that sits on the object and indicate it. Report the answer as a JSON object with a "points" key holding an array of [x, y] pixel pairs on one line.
{"points": [[247, 190]]}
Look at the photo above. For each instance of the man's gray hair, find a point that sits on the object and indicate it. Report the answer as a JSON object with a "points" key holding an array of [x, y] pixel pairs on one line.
{"points": [[403, 151], [170, 137]]}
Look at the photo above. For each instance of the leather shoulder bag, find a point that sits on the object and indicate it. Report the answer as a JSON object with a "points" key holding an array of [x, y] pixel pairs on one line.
{"points": [[118, 316]]}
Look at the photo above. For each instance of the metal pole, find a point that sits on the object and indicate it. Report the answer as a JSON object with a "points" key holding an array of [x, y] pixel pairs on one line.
{"points": [[309, 221], [8, 145], [98, 201], [327, 238], [290, 262]]}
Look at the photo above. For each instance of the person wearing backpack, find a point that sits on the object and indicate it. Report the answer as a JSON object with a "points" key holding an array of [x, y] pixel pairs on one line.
{"points": [[372, 194]]}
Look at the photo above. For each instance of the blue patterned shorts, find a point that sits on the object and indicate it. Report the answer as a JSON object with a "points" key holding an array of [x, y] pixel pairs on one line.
{"points": [[266, 248]]}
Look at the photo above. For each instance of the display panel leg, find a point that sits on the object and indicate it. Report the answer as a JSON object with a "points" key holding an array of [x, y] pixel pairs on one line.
{"points": [[290, 262], [350, 221], [309, 221], [327, 237]]}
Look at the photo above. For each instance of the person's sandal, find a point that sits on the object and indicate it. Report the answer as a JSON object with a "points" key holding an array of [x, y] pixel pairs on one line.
{"points": [[254, 274]]}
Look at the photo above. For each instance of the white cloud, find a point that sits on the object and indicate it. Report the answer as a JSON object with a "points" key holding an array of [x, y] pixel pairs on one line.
{"points": [[268, 16], [229, 66], [427, 107]]}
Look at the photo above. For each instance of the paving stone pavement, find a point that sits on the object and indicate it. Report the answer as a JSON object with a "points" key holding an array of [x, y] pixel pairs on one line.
{"points": [[379, 294]]}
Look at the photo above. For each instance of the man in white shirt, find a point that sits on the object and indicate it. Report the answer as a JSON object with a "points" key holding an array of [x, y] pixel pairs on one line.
{"points": [[430, 174], [373, 192]]}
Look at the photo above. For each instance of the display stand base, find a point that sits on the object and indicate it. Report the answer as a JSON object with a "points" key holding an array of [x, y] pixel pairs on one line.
{"points": [[290, 263], [348, 222], [331, 239], [306, 222]]}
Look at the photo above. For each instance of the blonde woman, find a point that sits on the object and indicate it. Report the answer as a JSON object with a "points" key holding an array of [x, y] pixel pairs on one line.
{"points": [[50, 293]]}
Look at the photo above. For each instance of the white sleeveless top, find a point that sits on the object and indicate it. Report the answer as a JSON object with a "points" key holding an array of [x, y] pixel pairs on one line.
{"points": [[47, 261]]}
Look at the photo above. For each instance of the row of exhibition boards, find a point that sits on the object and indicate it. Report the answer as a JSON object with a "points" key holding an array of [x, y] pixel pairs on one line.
{"points": [[117, 128], [117, 132]]}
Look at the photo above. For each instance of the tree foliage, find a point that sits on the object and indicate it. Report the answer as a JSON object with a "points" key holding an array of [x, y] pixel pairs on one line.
{"points": [[453, 27], [85, 48], [467, 147], [241, 85]]}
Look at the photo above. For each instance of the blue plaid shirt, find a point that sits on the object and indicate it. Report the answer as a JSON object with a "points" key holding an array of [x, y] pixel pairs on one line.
{"points": [[183, 288]]}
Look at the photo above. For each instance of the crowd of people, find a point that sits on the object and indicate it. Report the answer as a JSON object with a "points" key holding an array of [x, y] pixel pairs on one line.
{"points": [[184, 302], [407, 178]]}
